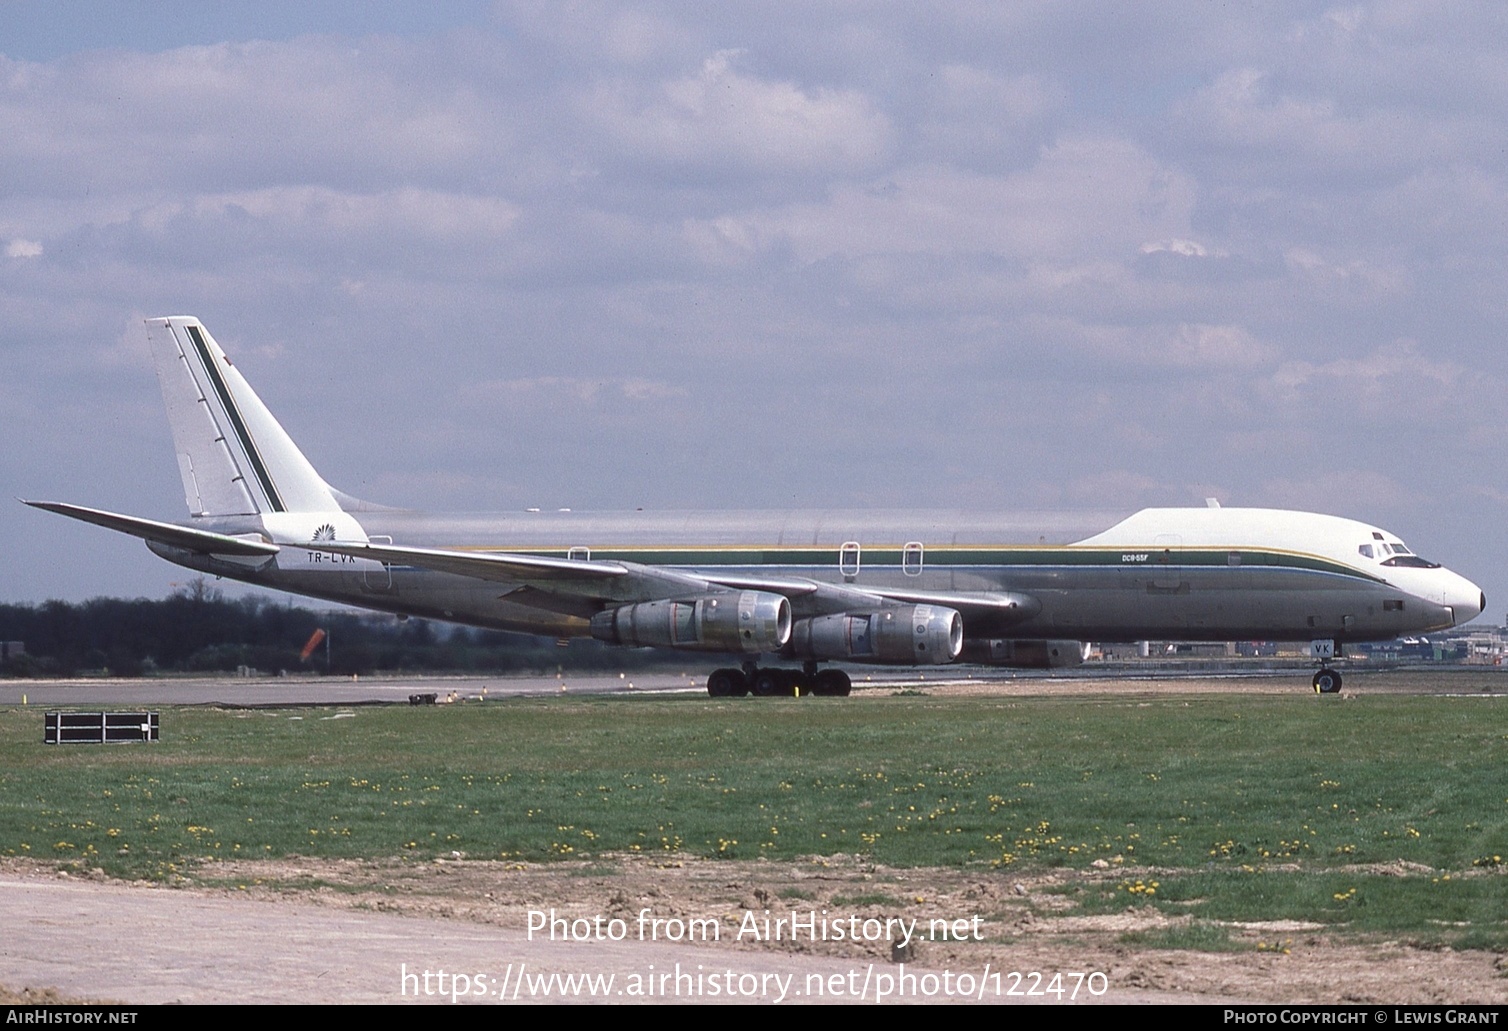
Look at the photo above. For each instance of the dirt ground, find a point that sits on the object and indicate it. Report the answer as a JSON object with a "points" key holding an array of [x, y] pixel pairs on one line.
{"points": [[1275, 962]]}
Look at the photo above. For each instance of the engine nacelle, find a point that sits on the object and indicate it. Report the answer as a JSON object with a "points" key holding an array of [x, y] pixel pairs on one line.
{"points": [[1024, 654], [911, 635], [742, 621]]}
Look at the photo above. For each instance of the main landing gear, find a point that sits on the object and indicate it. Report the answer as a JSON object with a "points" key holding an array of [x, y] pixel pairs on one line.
{"points": [[769, 682]]}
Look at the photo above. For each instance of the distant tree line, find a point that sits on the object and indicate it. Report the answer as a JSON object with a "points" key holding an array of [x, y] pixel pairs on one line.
{"points": [[197, 630]]}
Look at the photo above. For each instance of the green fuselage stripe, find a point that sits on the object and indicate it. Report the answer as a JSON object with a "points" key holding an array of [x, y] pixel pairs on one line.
{"points": [[1005, 556]]}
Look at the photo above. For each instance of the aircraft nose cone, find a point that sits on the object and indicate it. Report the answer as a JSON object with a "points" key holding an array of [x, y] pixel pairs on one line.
{"points": [[1467, 601]]}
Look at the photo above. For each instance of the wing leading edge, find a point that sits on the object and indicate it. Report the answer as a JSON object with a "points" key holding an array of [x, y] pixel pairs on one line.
{"points": [[613, 582]]}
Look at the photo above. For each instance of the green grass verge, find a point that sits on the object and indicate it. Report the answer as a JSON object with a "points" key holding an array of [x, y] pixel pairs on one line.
{"points": [[1247, 808], [1197, 936]]}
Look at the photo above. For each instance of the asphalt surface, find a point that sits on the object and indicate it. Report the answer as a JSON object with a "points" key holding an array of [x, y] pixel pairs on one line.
{"points": [[274, 691]]}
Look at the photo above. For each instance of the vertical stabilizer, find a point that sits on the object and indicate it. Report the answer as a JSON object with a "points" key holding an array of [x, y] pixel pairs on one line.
{"points": [[233, 455]]}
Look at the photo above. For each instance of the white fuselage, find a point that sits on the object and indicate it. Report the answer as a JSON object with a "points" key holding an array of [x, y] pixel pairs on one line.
{"points": [[1193, 574]]}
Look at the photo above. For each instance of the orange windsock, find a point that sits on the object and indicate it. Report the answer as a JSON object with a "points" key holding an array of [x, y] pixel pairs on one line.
{"points": [[314, 639]]}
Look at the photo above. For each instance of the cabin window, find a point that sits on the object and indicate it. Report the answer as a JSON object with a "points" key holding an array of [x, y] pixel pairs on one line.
{"points": [[1393, 606], [1410, 562]]}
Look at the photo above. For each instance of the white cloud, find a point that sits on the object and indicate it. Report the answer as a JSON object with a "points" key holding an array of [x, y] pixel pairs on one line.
{"points": [[1120, 487], [982, 119], [1309, 135], [1308, 265], [1186, 248], [19, 248], [984, 96], [1395, 374], [237, 114], [429, 213], [1340, 491], [726, 119], [546, 392], [1186, 345], [1083, 196]]}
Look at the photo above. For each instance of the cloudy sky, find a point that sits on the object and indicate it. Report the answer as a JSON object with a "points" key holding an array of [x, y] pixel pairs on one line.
{"points": [[981, 255]]}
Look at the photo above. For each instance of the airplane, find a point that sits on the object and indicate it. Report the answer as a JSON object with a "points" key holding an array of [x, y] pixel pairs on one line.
{"points": [[907, 588]]}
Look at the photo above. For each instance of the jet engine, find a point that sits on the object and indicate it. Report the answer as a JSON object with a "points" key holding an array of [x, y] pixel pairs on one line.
{"points": [[1023, 654], [912, 635], [742, 621]]}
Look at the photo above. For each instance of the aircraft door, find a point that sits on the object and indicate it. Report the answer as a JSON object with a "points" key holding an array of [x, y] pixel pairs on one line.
{"points": [[848, 561], [911, 559], [1166, 574], [377, 577]]}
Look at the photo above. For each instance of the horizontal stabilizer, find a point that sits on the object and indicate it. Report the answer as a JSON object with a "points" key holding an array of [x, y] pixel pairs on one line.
{"points": [[202, 541]]}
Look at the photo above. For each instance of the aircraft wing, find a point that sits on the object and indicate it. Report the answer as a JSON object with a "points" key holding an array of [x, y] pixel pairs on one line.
{"points": [[995, 604], [202, 541], [540, 580], [605, 581], [995, 607]]}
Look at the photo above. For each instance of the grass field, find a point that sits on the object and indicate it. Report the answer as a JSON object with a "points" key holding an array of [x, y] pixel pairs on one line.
{"points": [[1375, 815]]}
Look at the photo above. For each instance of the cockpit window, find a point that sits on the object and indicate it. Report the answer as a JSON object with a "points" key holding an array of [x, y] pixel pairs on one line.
{"points": [[1411, 562], [1365, 550]]}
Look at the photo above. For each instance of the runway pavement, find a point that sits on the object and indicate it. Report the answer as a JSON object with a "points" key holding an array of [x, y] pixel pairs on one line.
{"points": [[396, 689], [273, 691]]}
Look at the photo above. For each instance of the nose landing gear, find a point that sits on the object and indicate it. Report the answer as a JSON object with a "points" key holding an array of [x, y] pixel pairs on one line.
{"points": [[1326, 681]]}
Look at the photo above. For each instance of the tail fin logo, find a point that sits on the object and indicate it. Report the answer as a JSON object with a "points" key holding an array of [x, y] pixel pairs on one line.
{"points": [[324, 533]]}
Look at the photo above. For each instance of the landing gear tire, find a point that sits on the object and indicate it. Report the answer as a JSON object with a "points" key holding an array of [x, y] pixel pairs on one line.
{"points": [[772, 683], [1327, 681], [833, 683], [727, 683]]}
